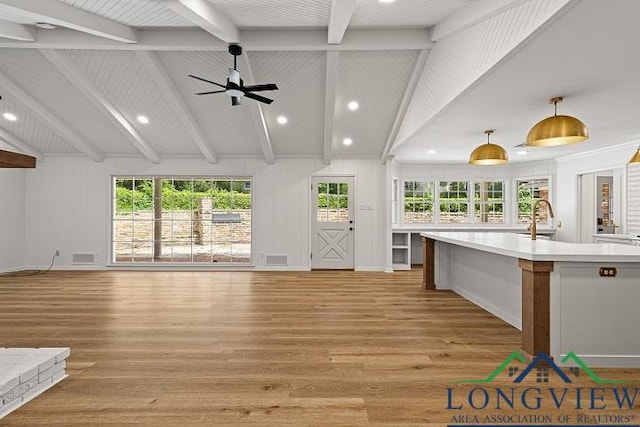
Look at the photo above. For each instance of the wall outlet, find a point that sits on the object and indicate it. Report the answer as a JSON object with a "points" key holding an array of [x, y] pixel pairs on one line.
{"points": [[608, 272], [57, 253], [559, 225]]}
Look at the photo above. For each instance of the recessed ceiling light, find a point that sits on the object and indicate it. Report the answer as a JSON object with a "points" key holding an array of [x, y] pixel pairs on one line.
{"points": [[522, 153], [143, 119], [353, 105], [45, 26], [431, 152], [11, 117], [347, 141], [282, 120], [386, 1]]}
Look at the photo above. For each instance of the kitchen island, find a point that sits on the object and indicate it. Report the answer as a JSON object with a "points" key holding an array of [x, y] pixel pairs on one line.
{"points": [[624, 239], [563, 296]]}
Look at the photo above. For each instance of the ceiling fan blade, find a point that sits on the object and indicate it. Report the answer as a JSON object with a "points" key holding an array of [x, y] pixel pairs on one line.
{"points": [[208, 93], [258, 98], [258, 88], [205, 80], [235, 100]]}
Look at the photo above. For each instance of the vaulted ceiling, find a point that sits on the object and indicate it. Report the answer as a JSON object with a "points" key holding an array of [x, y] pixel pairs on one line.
{"points": [[426, 74]]}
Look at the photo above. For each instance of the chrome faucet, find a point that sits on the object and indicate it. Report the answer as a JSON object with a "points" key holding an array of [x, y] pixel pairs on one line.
{"points": [[535, 216]]}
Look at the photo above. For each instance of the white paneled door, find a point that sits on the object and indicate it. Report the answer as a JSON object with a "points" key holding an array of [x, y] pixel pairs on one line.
{"points": [[332, 222]]}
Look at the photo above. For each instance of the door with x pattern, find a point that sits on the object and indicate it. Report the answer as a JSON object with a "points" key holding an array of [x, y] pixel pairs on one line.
{"points": [[332, 222]]}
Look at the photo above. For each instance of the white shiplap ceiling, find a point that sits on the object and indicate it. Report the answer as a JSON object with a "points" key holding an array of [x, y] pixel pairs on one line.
{"points": [[139, 13], [418, 13], [88, 84]]}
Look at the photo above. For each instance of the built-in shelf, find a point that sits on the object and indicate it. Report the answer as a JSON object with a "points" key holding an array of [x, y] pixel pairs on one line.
{"points": [[401, 250], [400, 239]]}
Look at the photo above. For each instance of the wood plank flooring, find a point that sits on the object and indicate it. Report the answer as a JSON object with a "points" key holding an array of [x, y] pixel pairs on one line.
{"points": [[269, 349]]}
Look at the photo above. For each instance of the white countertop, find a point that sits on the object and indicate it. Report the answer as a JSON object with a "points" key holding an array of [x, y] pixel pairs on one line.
{"points": [[521, 246], [618, 236]]}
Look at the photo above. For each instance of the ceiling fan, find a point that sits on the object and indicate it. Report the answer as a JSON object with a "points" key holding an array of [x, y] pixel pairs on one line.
{"points": [[235, 86]]}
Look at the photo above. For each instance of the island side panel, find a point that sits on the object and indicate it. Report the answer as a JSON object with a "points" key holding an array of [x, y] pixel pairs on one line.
{"points": [[488, 280], [597, 317], [429, 264], [536, 283]]}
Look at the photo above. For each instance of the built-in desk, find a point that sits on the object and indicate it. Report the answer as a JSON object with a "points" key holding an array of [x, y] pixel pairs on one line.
{"points": [[563, 296]]}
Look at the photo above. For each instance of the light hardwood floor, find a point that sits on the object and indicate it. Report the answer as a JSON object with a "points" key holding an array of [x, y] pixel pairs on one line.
{"points": [[269, 349]]}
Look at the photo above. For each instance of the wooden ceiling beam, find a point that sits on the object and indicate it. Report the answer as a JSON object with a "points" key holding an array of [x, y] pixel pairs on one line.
{"points": [[190, 39], [13, 31], [206, 16], [471, 14], [9, 159], [341, 12], [19, 144], [416, 73], [65, 15], [331, 87], [97, 98], [169, 91], [257, 114], [56, 123]]}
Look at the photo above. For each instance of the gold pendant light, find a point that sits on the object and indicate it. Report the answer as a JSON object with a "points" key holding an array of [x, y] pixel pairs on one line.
{"points": [[636, 157], [488, 154], [557, 130]]}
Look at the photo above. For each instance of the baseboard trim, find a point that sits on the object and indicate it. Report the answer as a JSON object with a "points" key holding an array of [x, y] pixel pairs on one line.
{"points": [[607, 360], [512, 320], [13, 270], [283, 268], [94, 267]]}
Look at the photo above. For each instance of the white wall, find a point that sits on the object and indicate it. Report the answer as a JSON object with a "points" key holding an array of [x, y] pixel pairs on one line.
{"points": [[12, 219], [569, 168], [68, 205]]}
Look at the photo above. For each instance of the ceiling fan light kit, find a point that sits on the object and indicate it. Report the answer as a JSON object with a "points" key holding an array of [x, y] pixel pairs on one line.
{"points": [[235, 87], [488, 154], [557, 130]]}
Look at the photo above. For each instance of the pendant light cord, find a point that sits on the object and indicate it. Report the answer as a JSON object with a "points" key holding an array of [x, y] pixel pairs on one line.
{"points": [[488, 132]]}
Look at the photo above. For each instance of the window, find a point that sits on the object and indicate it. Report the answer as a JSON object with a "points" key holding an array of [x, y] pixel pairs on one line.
{"points": [[454, 202], [489, 202], [181, 220], [529, 191], [333, 202], [418, 201]]}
